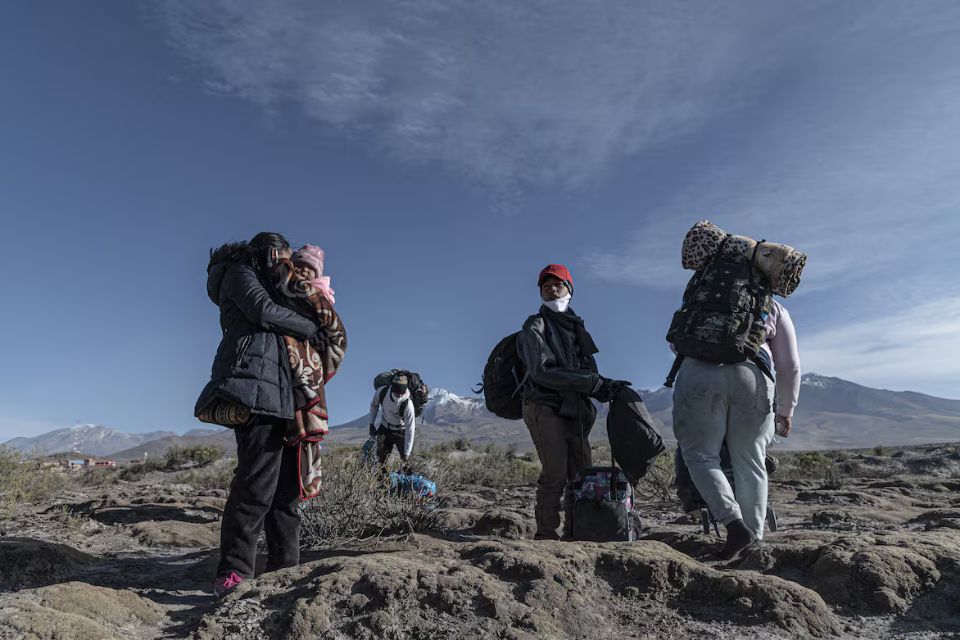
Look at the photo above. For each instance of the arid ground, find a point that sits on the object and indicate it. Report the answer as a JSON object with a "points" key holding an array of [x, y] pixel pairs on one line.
{"points": [[868, 546]]}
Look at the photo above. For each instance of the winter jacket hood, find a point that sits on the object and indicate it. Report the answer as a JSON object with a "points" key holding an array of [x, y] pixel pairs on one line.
{"points": [[214, 281]]}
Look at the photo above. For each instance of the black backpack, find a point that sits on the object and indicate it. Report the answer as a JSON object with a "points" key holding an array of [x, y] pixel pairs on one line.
{"points": [[419, 391], [722, 319], [634, 440], [503, 376], [603, 506]]}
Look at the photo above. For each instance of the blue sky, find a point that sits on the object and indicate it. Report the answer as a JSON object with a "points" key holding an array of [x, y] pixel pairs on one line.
{"points": [[441, 153]]}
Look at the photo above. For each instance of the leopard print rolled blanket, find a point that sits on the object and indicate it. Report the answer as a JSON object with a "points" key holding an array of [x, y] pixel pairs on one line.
{"points": [[781, 264]]}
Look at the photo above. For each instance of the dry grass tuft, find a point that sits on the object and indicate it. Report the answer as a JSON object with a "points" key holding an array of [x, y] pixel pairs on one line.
{"points": [[24, 480], [356, 505]]}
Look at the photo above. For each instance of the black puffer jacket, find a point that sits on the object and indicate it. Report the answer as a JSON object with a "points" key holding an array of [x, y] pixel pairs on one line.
{"points": [[251, 366], [560, 376]]}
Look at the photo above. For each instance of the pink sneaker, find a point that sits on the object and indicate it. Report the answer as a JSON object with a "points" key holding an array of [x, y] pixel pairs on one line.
{"points": [[225, 584]]}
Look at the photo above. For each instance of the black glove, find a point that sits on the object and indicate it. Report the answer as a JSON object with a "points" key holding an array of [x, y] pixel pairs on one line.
{"points": [[608, 389], [373, 431]]}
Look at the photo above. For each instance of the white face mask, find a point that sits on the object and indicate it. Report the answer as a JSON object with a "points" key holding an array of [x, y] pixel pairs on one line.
{"points": [[559, 305]]}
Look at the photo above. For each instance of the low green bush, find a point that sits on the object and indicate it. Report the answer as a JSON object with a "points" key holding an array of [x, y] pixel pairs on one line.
{"points": [[200, 454]]}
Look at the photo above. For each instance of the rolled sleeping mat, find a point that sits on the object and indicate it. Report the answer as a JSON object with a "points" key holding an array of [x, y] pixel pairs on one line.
{"points": [[781, 264]]}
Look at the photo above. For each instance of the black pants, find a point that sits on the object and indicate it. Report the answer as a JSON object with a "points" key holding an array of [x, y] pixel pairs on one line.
{"points": [[386, 441], [264, 495]]}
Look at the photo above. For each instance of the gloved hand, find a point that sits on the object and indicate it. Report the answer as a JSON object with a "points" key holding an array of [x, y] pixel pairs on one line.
{"points": [[373, 430], [608, 388]]}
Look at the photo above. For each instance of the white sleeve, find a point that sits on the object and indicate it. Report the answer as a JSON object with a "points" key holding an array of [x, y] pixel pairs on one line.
{"points": [[786, 361], [375, 407], [410, 422]]}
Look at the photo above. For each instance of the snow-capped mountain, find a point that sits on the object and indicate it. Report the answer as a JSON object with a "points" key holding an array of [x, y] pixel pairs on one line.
{"points": [[445, 407], [92, 439], [833, 413]]}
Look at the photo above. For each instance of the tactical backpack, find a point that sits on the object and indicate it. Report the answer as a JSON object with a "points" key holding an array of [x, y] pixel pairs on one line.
{"points": [[722, 319], [503, 376], [603, 506], [419, 391]]}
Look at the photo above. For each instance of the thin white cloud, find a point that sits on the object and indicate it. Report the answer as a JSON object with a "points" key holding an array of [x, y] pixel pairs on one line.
{"points": [[505, 92], [855, 159], [917, 347]]}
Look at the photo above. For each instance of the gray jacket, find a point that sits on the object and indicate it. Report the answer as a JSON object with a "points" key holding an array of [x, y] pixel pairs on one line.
{"points": [[251, 365], [559, 376]]}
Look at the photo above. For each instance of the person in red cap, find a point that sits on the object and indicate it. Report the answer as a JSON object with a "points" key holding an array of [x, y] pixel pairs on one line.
{"points": [[558, 353]]}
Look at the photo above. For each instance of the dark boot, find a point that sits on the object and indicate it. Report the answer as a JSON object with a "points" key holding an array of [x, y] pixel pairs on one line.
{"points": [[546, 535], [738, 539]]}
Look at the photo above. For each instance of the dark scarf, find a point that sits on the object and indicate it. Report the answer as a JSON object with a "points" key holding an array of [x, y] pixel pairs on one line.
{"points": [[570, 321]]}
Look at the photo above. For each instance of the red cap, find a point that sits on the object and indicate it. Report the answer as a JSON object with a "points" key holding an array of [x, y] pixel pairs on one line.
{"points": [[559, 272]]}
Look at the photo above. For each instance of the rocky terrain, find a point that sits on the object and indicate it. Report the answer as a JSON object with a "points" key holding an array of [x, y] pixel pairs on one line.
{"points": [[868, 546]]}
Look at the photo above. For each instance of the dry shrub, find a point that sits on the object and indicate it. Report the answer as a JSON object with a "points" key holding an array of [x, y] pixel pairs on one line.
{"points": [[26, 480], [134, 472], [215, 476], [356, 505], [99, 476], [660, 481], [68, 520], [882, 451], [488, 466], [200, 454], [808, 465], [834, 477]]}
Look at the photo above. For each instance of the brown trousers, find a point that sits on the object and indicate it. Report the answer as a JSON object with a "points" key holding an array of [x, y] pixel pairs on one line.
{"points": [[562, 453]]}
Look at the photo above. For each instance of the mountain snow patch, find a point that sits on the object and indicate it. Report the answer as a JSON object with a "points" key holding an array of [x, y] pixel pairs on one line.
{"points": [[442, 398]]}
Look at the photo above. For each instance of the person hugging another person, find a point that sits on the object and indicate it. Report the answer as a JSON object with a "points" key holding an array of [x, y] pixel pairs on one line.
{"points": [[254, 390]]}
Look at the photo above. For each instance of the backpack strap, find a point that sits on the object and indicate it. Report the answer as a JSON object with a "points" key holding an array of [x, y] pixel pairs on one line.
{"points": [[401, 408], [723, 244], [764, 369], [672, 376]]}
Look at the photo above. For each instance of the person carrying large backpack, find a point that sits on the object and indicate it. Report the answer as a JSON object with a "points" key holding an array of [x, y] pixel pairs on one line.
{"points": [[725, 334], [561, 376], [393, 420]]}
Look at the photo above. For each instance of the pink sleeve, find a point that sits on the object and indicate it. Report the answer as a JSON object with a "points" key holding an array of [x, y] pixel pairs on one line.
{"points": [[786, 363]]}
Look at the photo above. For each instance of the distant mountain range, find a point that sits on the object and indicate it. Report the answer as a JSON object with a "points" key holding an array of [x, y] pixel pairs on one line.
{"points": [[832, 414]]}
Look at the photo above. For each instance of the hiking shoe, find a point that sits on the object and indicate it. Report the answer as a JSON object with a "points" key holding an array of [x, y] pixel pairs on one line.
{"points": [[226, 583], [546, 535], [738, 539]]}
